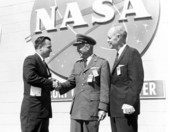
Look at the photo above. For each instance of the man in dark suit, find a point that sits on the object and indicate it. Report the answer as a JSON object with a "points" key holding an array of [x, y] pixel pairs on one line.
{"points": [[126, 83], [36, 104], [91, 79]]}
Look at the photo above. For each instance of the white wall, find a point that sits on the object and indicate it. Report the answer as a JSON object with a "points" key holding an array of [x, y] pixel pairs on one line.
{"points": [[15, 20], [156, 64]]}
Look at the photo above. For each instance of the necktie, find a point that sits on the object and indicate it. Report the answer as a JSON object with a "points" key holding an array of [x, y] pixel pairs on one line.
{"points": [[85, 62], [117, 57]]}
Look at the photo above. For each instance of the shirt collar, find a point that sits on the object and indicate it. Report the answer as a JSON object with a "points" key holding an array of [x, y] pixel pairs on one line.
{"points": [[89, 59], [40, 56]]}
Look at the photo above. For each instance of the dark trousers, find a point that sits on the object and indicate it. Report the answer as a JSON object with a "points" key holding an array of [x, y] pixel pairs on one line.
{"points": [[30, 124], [124, 124], [84, 126]]}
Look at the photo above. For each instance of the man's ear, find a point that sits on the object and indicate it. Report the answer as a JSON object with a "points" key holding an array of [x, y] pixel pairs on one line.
{"points": [[40, 47]]}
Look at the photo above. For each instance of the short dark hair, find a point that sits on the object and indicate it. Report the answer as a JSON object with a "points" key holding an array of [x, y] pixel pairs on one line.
{"points": [[39, 42]]}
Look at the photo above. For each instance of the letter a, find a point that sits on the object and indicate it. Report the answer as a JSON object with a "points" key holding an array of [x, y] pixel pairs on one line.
{"points": [[76, 16], [137, 8]]}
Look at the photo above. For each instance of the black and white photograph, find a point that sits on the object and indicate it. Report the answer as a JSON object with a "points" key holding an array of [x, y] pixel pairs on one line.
{"points": [[84, 66]]}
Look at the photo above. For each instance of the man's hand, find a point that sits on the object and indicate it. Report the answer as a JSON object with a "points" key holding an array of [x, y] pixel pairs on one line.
{"points": [[56, 85], [128, 109], [55, 82], [101, 114], [52, 79]]}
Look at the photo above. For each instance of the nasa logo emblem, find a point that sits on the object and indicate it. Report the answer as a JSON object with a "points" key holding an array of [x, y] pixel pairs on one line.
{"points": [[61, 20]]}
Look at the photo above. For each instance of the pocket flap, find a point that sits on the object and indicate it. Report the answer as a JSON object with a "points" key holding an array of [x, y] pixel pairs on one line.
{"points": [[95, 96]]}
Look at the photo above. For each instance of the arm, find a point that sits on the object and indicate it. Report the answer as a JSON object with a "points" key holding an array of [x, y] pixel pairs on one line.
{"points": [[31, 75], [69, 84], [136, 76], [104, 90]]}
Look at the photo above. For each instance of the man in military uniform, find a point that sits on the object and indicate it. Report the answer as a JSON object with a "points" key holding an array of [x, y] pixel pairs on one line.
{"points": [[91, 79]]}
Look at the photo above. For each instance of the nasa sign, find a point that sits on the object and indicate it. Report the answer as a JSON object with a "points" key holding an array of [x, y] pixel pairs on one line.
{"points": [[61, 20]]}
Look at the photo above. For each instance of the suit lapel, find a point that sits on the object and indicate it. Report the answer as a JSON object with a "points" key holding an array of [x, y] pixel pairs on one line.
{"points": [[81, 64], [43, 65], [47, 69], [121, 56]]}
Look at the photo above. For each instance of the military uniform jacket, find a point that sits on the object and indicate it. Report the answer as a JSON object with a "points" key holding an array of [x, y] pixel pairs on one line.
{"points": [[35, 75], [126, 82], [91, 91]]}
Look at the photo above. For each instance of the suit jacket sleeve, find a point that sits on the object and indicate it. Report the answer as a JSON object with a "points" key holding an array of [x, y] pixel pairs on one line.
{"points": [[33, 75], [104, 86], [136, 76], [69, 84]]}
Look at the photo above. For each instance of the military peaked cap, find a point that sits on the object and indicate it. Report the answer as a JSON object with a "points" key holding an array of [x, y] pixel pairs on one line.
{"points": [[83, 39]]}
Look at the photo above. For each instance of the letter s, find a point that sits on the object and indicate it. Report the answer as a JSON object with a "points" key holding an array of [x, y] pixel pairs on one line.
{"points": [[102, 10]]}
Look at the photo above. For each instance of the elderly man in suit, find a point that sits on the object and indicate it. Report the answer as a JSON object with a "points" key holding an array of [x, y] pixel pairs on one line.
{"points": [[36, 104], [126, 83], [91, 79]]}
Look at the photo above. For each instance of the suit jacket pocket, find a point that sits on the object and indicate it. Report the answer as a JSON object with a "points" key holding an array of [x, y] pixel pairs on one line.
{"points": [[76, 75], [94, 97], [35, 104], [94, 104]]}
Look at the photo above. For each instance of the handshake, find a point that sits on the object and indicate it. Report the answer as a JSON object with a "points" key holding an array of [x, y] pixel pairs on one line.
{"points": [[56, 84]]}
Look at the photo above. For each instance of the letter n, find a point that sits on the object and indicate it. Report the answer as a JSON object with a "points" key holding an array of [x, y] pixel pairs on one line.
{"points": [[47, 21]]}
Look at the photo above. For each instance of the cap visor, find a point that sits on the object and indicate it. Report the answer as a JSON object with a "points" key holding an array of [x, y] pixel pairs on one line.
{"points": [[77, 43]]}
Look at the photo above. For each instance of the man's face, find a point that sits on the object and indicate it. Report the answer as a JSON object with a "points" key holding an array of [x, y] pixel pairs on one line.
{"points": [[46, 49], [83, 50], [113, 39]]}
